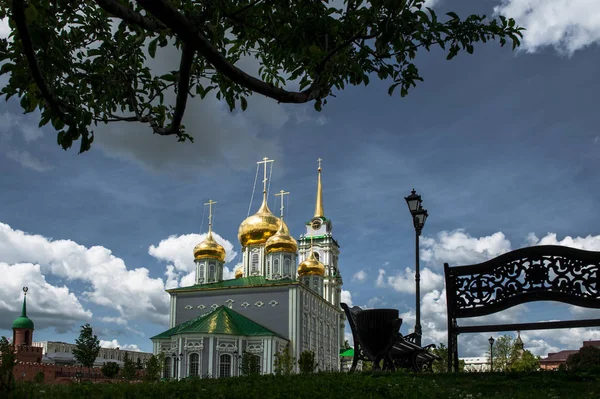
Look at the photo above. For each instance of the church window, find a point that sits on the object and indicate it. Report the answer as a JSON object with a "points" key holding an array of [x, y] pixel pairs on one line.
{"points": [[254, 263], [225, 365], [286, 266], [316, 255], [211, 272], [276, 266], [268, 267], [194, 364], [167, 368], [201, 271]]}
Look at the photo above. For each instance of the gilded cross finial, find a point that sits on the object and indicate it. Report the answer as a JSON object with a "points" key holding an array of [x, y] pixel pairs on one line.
{"points": [[210, 203], [25, 289], [281, 194], [319, 161], [265, 161]]}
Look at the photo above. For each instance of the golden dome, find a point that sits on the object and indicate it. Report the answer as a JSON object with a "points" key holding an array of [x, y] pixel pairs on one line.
{"points": [[258, 228], [209, 249], [282, 241], [311, 267], [239, 272]]}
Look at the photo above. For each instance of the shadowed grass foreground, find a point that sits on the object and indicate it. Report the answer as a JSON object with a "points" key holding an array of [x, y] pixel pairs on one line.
{"points": [[335, 385]]}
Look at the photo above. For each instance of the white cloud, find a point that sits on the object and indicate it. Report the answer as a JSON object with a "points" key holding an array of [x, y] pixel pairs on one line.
{"points": [[380, 282], [47, 305], [4, 28], [566, 25], [405, 282], [106, 276], [115, 344], [28, 161], [589, 243], [459, 248], [178, 250], [359, 276], [347, 297]]}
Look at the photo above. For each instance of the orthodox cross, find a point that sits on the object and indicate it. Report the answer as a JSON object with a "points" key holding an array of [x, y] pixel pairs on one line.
{"points": [[319, 160], [265, 161], [210, 203], [281, 194]]}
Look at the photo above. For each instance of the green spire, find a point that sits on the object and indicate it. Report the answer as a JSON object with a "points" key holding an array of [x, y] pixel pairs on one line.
{"points": [[23, 321], [24, 310]]}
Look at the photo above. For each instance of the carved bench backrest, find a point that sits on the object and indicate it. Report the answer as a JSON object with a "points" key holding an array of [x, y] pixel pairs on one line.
{"points": [[540, 273]]}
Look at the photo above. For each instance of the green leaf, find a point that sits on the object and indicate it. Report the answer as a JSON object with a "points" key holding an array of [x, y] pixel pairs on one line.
{"points": [[243, 103], [31, 14], [314, 49], [452, 15], [152, 47]]}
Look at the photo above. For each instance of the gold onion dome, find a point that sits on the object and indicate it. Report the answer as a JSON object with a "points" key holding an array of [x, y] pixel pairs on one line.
{"points": [[209, 249], [239, 272], [258, 228], [282, 241], [311, 267]]}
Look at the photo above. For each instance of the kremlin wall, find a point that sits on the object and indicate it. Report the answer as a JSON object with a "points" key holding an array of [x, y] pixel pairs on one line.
{"points": [[30, 357]]}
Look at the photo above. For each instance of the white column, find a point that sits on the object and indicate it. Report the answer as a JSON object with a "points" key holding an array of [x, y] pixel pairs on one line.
{"points": [[181, 360], [211, 344]]}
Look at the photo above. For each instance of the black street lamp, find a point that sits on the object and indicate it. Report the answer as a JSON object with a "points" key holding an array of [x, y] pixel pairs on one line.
{"points": [[419, 216], [491, 341]]}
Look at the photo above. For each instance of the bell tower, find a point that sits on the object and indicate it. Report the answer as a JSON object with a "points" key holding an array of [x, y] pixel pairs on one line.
{"points": [[325, 248]]}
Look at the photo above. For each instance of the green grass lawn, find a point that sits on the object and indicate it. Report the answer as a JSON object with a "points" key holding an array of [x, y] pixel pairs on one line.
{"points": [[346, 386]]}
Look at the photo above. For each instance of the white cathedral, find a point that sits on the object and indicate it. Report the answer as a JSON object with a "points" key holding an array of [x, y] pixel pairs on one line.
{"points": [[286, 294]]}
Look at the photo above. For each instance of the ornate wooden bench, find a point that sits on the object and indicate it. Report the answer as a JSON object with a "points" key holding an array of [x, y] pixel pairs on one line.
{"points": [[540, 273], [403, 351]]}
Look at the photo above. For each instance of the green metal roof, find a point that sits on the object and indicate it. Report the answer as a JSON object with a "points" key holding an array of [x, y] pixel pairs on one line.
{"points": [[220, 321], [347, 352], [253, 281], [23, 321]]}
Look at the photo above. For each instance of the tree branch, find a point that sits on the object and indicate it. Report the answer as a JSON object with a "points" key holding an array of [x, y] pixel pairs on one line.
{"points": [[241, 10], [183, 87], [18, 14], [130, 16], [179, 24]]}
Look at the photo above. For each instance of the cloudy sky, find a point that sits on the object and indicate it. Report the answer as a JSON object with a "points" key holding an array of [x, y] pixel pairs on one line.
{"points": [[502, 145]]}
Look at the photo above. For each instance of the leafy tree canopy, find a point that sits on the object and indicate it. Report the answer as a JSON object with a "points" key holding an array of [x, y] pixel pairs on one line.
{"points": [[8, 359], [129, 369], [250, 364], [441, 365], [153, 369], [84, 62], [110, 369], [87, 346], [587, 359]]}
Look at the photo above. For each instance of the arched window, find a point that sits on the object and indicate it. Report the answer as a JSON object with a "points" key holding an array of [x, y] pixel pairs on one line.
{"points": [[268, 267], [194, 364], [316, 255], [201, 272], [286, 266], [211, 272], [225, 365], [275, 266], [167, 368], [254, 268]]}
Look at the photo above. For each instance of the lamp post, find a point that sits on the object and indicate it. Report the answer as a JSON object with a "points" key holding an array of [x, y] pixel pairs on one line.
{"points": [[419, 216], [491, 341]]}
